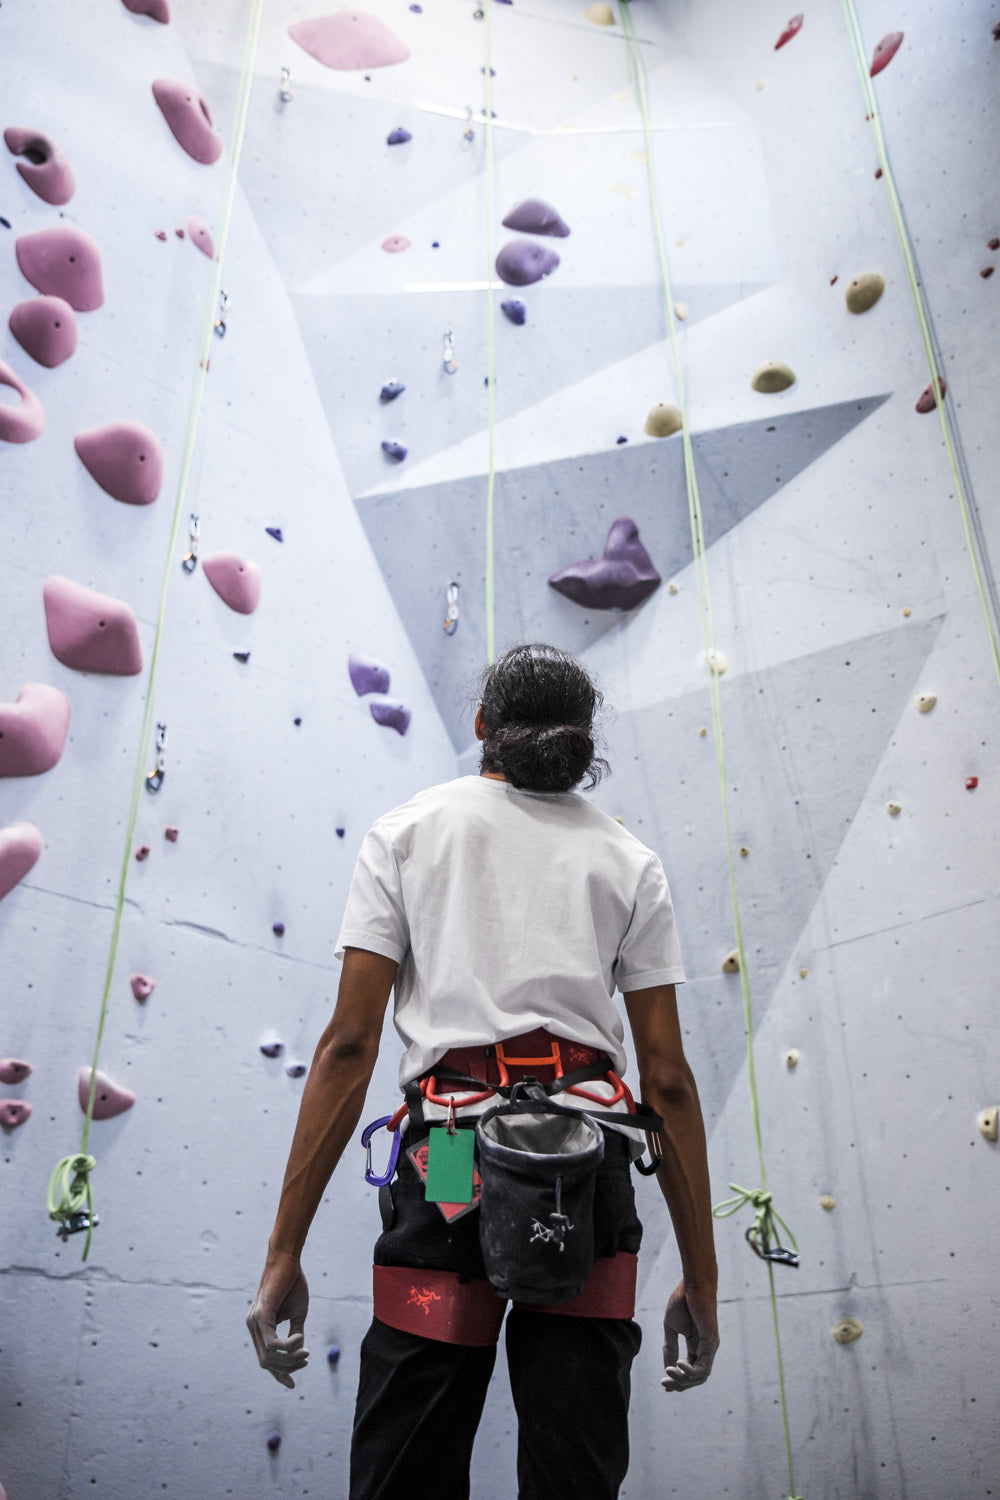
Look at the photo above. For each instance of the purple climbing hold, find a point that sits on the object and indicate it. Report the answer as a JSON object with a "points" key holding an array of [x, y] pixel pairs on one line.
{"points": [[296, 721], [272, 1048], [296, 1069], [333, 1353], [126, 460], [274, 531], [885, 51], [340, 832], [394, 450], [109, 1098], [14, 1112], [417, 9], [46, 328], [189, 118], [621, 578], [157, 10], [278, 928], [243, 656], [274, 1442], [46, 170], [89, 631], [621, 440], [33, 730], [12, 1070], [367, 675], [398, 137], [23, 423], [515, 310], [522, 262], [390, 391], [64, 261], [533, 216], [391, 716]]}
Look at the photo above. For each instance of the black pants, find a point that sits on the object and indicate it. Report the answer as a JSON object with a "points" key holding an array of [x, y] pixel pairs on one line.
{"points": [[420, 1400]]}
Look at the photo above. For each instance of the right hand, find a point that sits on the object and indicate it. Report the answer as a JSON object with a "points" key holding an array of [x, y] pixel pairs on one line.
{"points": [[691, 1315], [283, 1295]]}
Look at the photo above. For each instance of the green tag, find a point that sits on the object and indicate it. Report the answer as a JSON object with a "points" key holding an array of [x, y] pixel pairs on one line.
{"points": [[449, 1165]]}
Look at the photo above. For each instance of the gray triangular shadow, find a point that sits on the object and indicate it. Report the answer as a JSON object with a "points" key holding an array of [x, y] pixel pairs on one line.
{"points": [[548, 515]]}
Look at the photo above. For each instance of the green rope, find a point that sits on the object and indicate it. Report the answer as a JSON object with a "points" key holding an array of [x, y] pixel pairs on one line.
{"points": [[68, 1194], [491, 356], [949, 430], [638, 80], [766, 1217]]}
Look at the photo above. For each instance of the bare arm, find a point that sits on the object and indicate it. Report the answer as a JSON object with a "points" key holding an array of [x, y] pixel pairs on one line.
{"points": [[668, 1086], [331, 1106]]}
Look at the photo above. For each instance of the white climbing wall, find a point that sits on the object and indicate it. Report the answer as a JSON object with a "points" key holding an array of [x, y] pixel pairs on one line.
{"points": [[841, 586]]}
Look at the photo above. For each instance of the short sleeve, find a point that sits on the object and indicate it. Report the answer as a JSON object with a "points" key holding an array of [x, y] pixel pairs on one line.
{"points": [[375, 917], [650, 951]]}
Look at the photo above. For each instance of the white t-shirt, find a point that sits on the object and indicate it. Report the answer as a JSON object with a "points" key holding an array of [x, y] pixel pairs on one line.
{"points": [[506, 910]]}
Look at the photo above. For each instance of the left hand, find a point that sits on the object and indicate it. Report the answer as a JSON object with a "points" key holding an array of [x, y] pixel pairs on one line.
{"points": [[283, 1295]]}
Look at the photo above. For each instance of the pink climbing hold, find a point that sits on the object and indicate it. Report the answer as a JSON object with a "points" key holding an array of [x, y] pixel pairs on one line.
{"points": [[20, 846], [20, 424], [64, 261], [171, 834], [395, 243], [89, 631], [161, 234], [621, 578], [885, 51], [367, 675], [157, 10], [126, 460], [12, 1070], [142, 853], [14, 1112], [391, 715], [201, 236], [235, 579], [522, 262], [46, 328], [926, 401], [189, 118], [33, 730], [533, 216], [109, 1098], [46, 170], [142, 986], [351, 39], [792, 29]]}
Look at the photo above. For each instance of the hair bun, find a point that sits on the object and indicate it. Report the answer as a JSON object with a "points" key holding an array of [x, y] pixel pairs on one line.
{"points": [[543, 757]]}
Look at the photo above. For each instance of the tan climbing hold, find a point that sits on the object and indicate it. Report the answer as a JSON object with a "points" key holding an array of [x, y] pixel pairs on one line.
{"points": [[907, 613], [600, 13], [744, 850], [621, 821], [894, 809], [715, 661], [825, 1201], [988, 1121], [680, 310], [772, 376], [792, 1057], [925, 702], [672, 588], [803, 973], [703, 732], [847, 1330], [731, 963], [663, 421], [862, 292]]}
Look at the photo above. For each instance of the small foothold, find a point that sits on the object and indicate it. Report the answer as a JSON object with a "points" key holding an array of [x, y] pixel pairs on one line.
{"points": [[179, 233], [522, 262], [201, 236], [847, 1330], [772, 376], [46, 170], [278, 928], [803, 973], [90, 631], [14, 1112], [12, 1070], [894, 809], [515, 311], [395, 451], [142, 853], [142, 986], [46, 328], [623, 577], [885, 51], [340, 832], [827, 1202], [986, 272], [23, 423], [878, 173], [532, 216], [235, 579], [925, 702], [272, 1047], [109, 1099], [993, 244], [274, 531], [834, 280], [862, 292], [349, 41], [367, 675], [161, 234], [243, 656], [156, 10], [398, 137], [792, 29], [20, 847], [672, 588], [600, 13], [731, 963], [394, 244], [907, 612], [274, 1442], [33, 730], [171, 834], [333, 1353], [971, 782], [926, 401], [189, 119], [792, 1057], [621, 440], [297, 721], [988, 1121], [744, 850], [391, 716], [125, 459], [715, 661], [390, 391], [663, 421], [702, 732], [296, 1069], [680, 311]]}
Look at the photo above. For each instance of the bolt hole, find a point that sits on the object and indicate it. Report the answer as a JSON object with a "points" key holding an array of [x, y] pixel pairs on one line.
{"points": [[57, 324], [72, 260], [142, 458], [102, 623]]}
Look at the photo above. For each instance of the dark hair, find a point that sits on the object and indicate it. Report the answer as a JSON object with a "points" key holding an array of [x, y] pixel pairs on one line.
{"points": [[538, 708]]}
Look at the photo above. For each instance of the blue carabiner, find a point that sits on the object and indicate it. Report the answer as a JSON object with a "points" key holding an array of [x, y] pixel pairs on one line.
{"points": [[366, 1140]]}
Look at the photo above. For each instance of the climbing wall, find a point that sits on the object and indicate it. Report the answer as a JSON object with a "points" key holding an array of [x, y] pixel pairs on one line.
{"points": [[297, 439]]}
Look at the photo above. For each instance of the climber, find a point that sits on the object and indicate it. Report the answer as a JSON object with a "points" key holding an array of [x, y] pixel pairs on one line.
{"points": [[503, 909]]}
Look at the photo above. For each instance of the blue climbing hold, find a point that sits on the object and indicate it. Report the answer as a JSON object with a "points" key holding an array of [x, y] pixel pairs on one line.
{"points": [[274, 1442], [390, 391], [394, 450], [621, 440], [339, 832], [398, 137], [515, 310], [333, 1355], [274, 531]]}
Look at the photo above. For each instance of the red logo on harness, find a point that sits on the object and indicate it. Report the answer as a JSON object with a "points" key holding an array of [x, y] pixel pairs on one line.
{"points": [[423, 1299]]}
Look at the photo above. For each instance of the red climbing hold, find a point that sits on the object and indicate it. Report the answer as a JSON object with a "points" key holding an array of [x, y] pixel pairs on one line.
{"points": [[971, 782], [792, 29], [885, 51], [986, 272], [993, 244], [927, 402], [834, 280], [878, 173]]}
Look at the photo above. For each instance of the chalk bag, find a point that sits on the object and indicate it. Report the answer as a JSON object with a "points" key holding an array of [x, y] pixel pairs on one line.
{"points": [[538, 1161]]}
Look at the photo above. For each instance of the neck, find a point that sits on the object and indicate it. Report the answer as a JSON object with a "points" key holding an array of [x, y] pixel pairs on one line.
{"points": [[493, 775]]}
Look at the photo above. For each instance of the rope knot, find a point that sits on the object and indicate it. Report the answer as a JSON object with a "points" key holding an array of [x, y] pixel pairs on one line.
{"points": [[764, 1229], [71, 1197]]}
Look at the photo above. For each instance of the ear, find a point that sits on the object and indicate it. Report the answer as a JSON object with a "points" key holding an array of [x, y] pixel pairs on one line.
{"points": [[480, 724]]}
